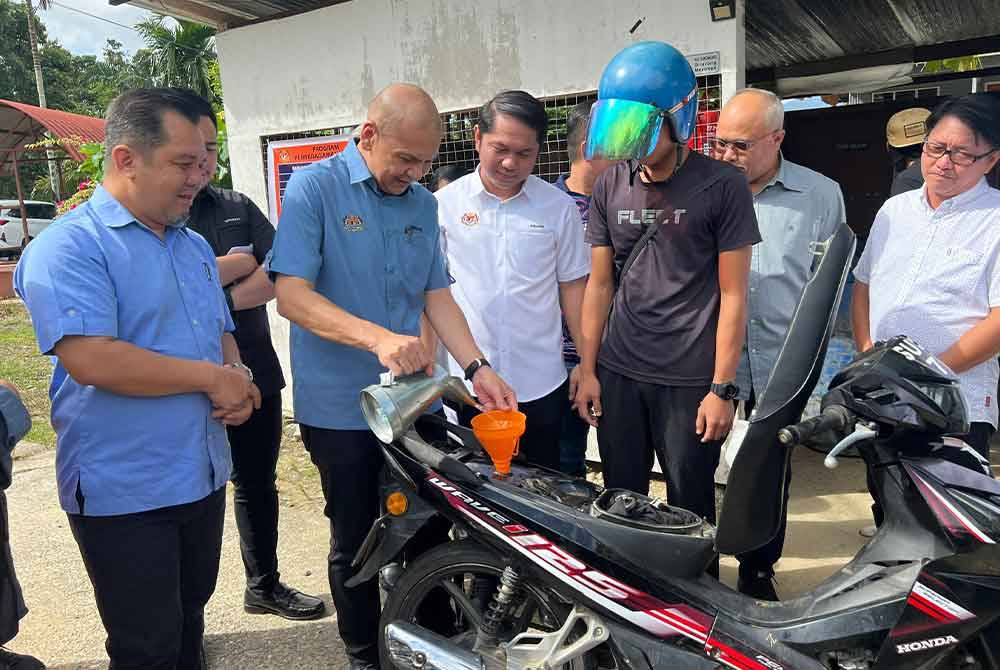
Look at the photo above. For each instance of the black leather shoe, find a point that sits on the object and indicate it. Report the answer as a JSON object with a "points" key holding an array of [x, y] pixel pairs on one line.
{"points": [[361, 664], [284, 601], [11, 661], [759, 585]]}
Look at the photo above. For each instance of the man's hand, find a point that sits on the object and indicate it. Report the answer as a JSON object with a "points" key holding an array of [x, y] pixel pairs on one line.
{"points": [[587, 399], [574, 382], [239, 415], [715, 418], [402, 354], [230, 389], [492, 391]]}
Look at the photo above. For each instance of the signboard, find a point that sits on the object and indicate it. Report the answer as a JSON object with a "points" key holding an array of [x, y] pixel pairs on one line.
{"points": [[706, 63], [284, 157]]}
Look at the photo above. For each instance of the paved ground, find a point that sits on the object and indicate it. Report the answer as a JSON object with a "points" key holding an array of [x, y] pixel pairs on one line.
{"points": [[827, 509]]}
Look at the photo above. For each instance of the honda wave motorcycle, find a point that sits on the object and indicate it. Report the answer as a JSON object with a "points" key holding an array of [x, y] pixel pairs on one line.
{"points": [[555, 573]]}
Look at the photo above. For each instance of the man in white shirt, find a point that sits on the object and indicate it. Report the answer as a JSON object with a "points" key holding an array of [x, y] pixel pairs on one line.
{"points": [[931, 267], [517, 255]]}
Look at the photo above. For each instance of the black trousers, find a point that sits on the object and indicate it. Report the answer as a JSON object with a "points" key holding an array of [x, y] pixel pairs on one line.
{"points": [[540, 442], [255, 446], [641, 419], [349, 464], [12, 608], [152, 574]]}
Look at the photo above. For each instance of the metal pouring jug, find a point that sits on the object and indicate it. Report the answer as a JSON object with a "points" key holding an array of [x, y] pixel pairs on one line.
{"points": [[391, 406]]}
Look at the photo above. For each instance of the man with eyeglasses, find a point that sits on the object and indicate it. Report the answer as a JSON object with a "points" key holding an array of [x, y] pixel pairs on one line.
{"points": [[797, 209], [931, 268]]}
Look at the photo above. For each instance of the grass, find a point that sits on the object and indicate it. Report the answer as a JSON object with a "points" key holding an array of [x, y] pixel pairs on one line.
{"points": [[23, 366]]}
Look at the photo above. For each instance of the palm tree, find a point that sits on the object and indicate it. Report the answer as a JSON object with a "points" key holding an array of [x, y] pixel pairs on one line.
{"points": [[40, 80], [178, 56]]}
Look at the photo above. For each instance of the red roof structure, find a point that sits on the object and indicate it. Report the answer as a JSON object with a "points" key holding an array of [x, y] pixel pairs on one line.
{"points": [[22, 124]]}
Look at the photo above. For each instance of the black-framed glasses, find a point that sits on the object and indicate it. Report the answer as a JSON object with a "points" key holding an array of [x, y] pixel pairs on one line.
{"points": [[720, 145], [957, 156]]}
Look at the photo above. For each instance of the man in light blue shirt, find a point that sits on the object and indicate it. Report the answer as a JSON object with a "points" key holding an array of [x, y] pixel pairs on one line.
{"points": [[797, 211], [147, 377], [357, 262]]}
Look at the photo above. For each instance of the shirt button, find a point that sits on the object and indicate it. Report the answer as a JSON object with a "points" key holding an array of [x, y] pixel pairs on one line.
{"points": [[390, 269], [71, 312], [195, 322]]}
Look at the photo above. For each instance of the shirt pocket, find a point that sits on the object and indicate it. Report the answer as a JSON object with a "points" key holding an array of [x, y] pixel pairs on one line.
{"points": [[416, 258], [961, 271], [532, 253]]}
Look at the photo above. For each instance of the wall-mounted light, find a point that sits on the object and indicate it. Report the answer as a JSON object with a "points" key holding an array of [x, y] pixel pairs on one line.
{"points": [[722, 9]]}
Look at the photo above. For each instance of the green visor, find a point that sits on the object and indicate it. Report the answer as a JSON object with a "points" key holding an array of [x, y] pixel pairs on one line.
{"points": [[622, 129]]}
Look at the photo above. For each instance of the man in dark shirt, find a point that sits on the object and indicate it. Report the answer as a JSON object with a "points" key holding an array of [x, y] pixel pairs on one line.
{"points": [[579, 185], [904, 134], [662, 378], [14, 424], [241, 236]]}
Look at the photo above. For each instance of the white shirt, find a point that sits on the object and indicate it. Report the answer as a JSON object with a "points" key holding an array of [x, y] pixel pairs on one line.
{"points": [[934, 275], [507, 259]]}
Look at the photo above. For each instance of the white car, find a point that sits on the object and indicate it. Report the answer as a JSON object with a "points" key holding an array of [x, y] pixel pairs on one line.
{"points": [[40, 215]]}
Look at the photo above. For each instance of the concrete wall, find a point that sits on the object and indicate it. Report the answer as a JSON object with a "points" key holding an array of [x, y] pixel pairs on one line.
{"points": [[318, 70]]}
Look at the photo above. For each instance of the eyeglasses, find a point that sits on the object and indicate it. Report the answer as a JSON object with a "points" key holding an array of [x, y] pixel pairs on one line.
{"points": [[720, 145], [957, 156]]}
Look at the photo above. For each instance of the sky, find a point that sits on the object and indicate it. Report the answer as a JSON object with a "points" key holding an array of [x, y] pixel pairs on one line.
{"points": [[82, 34]]}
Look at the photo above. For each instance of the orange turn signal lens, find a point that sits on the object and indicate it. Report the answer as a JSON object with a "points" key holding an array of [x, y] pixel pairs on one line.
{"points": [[396, 504]]}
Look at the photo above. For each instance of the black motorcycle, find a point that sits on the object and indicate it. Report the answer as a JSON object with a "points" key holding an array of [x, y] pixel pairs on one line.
{"points": [[545, 572]]}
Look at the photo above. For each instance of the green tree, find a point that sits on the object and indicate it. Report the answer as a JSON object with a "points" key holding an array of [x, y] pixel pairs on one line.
{"points": [[178, 56]]}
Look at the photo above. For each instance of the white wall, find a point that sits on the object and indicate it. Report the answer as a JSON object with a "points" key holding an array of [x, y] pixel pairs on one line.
{"points": [[318, 70]]}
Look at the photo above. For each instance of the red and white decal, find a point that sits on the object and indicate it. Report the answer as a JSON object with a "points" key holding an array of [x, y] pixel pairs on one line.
{"points": [[936, 606], [649, 613], [947, 513]]}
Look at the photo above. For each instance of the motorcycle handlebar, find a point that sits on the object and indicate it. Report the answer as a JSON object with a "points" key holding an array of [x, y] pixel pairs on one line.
{"points": [[834, 417]]}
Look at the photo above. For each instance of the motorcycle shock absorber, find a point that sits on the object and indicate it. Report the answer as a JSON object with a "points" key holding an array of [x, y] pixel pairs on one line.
{"points": [[504, 601]]}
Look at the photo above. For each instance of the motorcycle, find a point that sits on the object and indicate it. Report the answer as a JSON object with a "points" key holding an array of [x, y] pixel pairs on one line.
{"points": [[545, 571]]}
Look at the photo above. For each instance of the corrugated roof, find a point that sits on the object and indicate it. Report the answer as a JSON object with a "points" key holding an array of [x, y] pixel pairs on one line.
{"points": [[229, 14], [22, 124]]}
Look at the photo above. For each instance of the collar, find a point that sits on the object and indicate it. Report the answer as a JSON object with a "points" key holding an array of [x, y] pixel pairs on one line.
{"points": [[211, 192], [788, 178], [113, 214], [476, 187], [960, 200], [561, 184], [357, 168], [109, 211]]}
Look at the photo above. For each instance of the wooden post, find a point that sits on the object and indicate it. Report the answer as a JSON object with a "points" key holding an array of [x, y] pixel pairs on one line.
{"points": [[20, 201]]}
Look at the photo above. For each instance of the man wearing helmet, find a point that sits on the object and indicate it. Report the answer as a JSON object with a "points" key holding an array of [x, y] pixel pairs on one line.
{"points": [[671, 234]]}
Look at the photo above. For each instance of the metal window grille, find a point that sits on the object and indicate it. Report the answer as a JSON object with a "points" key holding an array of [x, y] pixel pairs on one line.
{"points": [[458, 147]]}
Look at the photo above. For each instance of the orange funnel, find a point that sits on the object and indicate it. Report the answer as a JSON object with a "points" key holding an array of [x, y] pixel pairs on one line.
{"points": [[499, 432]]}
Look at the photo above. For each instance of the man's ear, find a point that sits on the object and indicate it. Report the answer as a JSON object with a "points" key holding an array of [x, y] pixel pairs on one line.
{"points": [[367, 135], [125, 159], [477, 137]]}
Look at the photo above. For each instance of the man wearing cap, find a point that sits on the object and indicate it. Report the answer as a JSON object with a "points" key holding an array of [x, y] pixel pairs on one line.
{"points": [[797, 209], [904, 134]]}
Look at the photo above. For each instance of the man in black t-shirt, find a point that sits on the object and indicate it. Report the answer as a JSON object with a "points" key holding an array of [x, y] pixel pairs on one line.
{"points": [[662, 378], [241, 237]]}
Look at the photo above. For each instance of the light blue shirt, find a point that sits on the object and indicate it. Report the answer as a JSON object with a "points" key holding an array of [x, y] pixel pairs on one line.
{"points": [[98, 272], [797, 212], [370, 253]]}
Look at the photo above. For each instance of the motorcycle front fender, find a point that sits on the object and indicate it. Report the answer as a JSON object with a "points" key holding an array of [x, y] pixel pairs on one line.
{"points": [[387, 537]]}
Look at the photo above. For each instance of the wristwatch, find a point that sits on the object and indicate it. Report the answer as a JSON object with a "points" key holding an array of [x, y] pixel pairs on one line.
{"points": [[726, 390], [240, 366], [470, 371]]}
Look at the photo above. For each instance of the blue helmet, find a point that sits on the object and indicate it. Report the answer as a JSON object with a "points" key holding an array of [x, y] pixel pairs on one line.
{"points": [[643, 84]]}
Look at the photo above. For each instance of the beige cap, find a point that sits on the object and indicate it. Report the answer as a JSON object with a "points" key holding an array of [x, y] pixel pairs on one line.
{"points": [[907, 127]]}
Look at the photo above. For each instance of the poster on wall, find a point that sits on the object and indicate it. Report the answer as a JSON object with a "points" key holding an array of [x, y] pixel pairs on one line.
{"points": [[284, 157]]}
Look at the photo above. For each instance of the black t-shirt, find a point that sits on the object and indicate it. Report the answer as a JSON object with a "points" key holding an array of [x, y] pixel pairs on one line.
{"points": [[229, 219], [665, 312], [909, 179]]}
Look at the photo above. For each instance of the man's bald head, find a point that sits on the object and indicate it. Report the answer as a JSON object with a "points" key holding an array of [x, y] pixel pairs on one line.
{"points": [[400, 137], [404, 108]]}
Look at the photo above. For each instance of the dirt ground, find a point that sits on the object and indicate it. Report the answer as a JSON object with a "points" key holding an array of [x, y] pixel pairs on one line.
{"points": [[826, 512]]}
